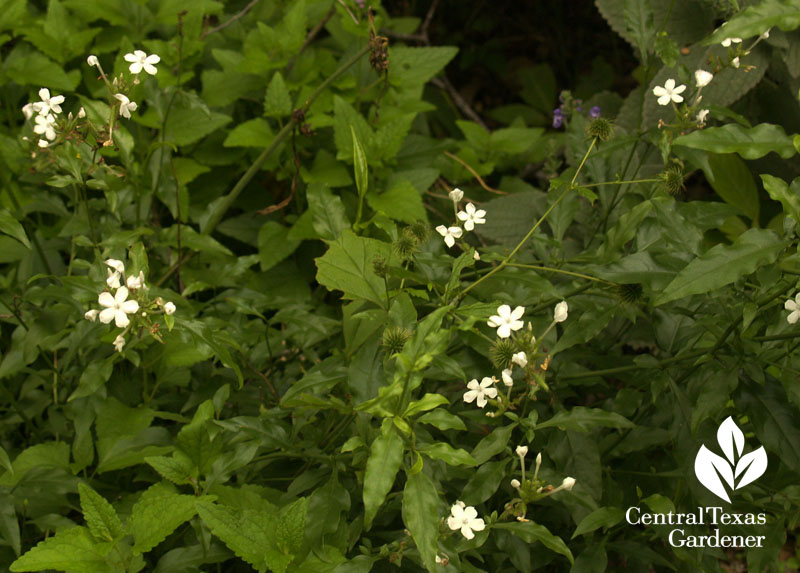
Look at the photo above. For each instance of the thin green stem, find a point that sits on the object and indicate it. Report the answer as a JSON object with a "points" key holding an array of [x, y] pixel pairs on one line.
{"points": [[617, 183], [560, 271]]}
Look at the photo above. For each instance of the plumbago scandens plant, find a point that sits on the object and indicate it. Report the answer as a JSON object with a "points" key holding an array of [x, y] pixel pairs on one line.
{"points": [[243, 330]]}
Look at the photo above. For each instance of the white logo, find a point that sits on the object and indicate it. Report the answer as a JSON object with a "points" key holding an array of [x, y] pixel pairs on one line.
{"points": [[709, 467]]}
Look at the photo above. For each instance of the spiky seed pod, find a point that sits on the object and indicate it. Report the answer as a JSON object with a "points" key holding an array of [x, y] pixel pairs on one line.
{"points": [[601, 128], [420, 230], [501, 352], [379, 266], [672, 179], [406, 245], [630, 293], [394, 338]]}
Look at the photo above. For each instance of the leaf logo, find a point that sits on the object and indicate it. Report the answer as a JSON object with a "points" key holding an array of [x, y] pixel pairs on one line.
{"points": [[714, 471]]}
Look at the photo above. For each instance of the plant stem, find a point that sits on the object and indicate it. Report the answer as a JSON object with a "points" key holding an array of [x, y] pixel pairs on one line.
{"points": [[561, 271]]}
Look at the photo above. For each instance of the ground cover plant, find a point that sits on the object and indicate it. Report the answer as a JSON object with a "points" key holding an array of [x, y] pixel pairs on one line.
{"points": [[349, 285]]}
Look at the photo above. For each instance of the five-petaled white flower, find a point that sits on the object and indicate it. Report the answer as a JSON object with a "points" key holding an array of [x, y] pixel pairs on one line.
{"points": [[505, 320], [450, 234], [45, 125], [126, 106], [139, 60], [92, 61], [794, 307], [472, 217], [726, 43], [119, 343], [466, 519], [480, 391], [117, 307], [701, 116], [48, 103], [703, 78], [169, 308], [456, 195], [560, 312], [507, 379], [520, 359], [669, 92]]}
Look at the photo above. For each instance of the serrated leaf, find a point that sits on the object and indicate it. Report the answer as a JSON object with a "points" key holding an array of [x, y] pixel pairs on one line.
{"points": [[347, 266], [421, 516], [68, 550], [159, 511], [385, 457], [252, 133], [639, 24], [291, 527], [178, 470], [10, 226], [248, 533], [100, 516], [583, 419], [401, 202], [754, 20], [724, 264], [277, 103], [750, 143]]}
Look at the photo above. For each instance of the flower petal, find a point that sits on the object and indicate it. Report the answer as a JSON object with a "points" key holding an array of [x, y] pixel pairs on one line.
{"points": [[130, 306], [107, 315], [121, 319], [106, 299]]}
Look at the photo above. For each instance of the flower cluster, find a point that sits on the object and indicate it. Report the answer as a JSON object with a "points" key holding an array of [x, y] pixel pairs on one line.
{"points": [[470, 217], [568, 107], [533, 489], [117, 306], [46, 111], [139, 61]]}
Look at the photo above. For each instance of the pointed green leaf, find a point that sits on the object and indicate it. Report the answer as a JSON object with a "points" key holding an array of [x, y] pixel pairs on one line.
{"points": [[448, 454], [421, 516], [755, 20], [347, 266], [359, 165], [278, 103], [10, 226], [100, 516], [788, 195], [177, 469], [531, 532], [604, 517], [750, 143], [249, 533], [68, 550], [385, 457], [583, 419], [159, 511]]}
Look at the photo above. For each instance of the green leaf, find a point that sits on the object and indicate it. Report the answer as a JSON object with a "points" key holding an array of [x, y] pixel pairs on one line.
{"points": [[385, 457], [100, 516], [26, 66], [252, 133], [159, 512], [415, 66], [5, 462], [531, 532], [278, 103], [448, 454], [583, 419], [724, 264], [194, 439], [359, 165], [443, 420], [639, 23], [492, 444], [750, 143], [421, 516], [730, 177], [484, 482], [249, 533], [347, 266], [427, 402], [178, 470], [788, 195], [68, 550], [274, 244], [604, 517], [754, 20], [92, 378], [10, 226], [291, 527], [401, 202], [327, 212]]}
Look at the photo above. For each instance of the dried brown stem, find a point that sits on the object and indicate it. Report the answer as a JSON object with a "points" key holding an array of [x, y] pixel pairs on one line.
{"points": [[230, 21], [474, 174]]}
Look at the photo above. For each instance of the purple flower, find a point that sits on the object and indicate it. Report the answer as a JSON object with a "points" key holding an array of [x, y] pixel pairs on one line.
{"points": [[558, 118], [594, 112]]}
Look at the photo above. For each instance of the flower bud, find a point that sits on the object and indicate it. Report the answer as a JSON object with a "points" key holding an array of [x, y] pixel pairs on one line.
{"points": [[91, 314], [515, 483], [456, 195], [560, 312], [507, 379], [81, 113], [522, 451], [703, 78], [169, 308], [92, 61], [568, 483]]}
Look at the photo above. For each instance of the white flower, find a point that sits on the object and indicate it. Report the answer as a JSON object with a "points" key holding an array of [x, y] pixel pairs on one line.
{"points": [[568, 483], [522, 451], [113, 279], [126, 106], [456, 195], [515, 483], [794, 306], [505, 320], [92, 61], [726, 43], [45, 125], [480, 391], [701, 116], [116, 264], [560, 313], [466, 519], [735, 62], [703, 78], [91, 314], [520, 359], [48, 103], [139, 60], [119, 343], [28, 109], [43, 143], [117, 307], [472, 217], [669, 92], [169, 308], [450, 234], [136, 282], [507, 379], [476, 255], [81, 113]]}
